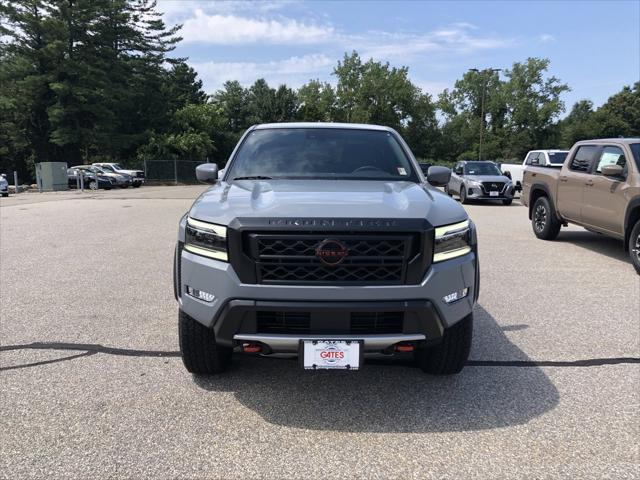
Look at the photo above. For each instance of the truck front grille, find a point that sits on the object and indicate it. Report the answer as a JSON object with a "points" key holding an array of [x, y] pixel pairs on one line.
{"points": [[368, 259]]}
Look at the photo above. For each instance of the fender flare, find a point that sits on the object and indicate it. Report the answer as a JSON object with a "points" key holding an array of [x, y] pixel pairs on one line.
{"points": [[633, 205], [536, 187]]}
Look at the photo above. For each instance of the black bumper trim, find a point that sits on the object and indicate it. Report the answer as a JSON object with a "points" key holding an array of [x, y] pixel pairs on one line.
{"points": [[238, 316]]}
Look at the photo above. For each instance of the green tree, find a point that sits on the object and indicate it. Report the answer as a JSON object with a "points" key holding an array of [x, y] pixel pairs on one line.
{"points": [[317, 102]]}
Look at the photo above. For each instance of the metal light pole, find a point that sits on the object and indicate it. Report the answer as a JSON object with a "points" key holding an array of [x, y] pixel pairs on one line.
{"points": [[485, 78]]}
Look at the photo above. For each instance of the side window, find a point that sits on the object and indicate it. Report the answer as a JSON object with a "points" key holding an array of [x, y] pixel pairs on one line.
{"points": [[530, 158], [458, 169], [581, 161], [611, 156]]}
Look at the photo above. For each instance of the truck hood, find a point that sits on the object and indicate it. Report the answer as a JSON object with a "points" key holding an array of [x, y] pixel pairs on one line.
{"points": [[325, 199], [487, 178]]}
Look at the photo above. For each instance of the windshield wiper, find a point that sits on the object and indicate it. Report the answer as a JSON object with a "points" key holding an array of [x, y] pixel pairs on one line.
{"points": [[253, 177]]}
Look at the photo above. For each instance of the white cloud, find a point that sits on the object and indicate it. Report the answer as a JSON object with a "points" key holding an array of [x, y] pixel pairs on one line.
{"points": [[236, 30], [546, 38], [454, 39], [293, 71]]}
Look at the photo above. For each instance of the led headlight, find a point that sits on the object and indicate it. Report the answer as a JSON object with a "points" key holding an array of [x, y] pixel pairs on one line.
{"points": [[206, 239], [452, 241]]}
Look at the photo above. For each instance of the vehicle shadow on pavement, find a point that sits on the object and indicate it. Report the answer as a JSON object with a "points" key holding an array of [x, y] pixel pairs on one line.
{"points": [[597, 243], [394, 396]]}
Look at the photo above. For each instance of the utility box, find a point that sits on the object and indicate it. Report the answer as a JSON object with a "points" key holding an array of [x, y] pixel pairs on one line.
{"points": [[52, 176]]}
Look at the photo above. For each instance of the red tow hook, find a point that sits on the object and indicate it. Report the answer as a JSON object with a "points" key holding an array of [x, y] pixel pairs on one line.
{"points": [[251, 348], [404, 347]]}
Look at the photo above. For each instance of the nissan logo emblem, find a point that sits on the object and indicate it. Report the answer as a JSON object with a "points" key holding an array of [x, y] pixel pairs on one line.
{"points": [[331, 252]]}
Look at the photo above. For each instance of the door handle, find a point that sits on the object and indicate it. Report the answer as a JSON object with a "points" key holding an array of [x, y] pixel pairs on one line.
{"points": [[589, 183], [563, 179]]}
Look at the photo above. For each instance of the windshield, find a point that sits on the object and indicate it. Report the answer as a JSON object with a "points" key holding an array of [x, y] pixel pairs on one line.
{"points": [[96, 170], [117, 166], [321, 153], [481, 168], [557, 158]]}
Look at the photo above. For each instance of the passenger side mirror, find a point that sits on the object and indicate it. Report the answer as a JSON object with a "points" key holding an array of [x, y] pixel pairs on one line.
{"points": [[612, 170], [207, 173], [438, 176]]}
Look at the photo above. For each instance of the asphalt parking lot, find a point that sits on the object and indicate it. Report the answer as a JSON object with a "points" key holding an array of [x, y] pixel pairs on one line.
{"points": [[92, 385]]}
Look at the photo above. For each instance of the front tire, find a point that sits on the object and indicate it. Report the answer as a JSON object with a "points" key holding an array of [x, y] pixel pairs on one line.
{"points": [[634, 246], [544, 221], [507, 202], [463, 194], [93, 185], [200, 353], [447, 191], [450, 356]]}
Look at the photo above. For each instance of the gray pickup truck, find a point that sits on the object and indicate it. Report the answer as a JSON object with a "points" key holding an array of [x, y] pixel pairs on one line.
{"points": [[598, 187], [325, 241]]}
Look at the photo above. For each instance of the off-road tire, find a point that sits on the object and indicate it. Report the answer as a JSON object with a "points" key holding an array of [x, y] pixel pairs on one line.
{"points": [[450, 356], [544, 221], [634, 246], [507, 202], [463, 194], [200, 354]]}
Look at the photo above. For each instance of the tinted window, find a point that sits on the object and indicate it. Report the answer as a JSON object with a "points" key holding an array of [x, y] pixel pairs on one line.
{"points": [[611, 156], [582, 159], [557, 158], [317, 153], [481, 168]]}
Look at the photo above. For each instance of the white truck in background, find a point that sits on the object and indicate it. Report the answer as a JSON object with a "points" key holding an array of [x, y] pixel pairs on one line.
{"points": [[539, 158]]}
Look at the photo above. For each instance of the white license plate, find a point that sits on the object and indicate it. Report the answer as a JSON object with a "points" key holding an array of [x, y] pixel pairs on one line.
{"points": [[494, 194], [331, 354]]}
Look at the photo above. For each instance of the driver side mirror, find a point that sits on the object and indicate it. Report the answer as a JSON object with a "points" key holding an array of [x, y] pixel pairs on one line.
{"points": [[612, 170], [438, 176], [207, 173]]}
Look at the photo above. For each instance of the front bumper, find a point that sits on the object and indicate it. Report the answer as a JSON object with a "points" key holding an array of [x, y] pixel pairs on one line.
{"points": [[232, 313]]}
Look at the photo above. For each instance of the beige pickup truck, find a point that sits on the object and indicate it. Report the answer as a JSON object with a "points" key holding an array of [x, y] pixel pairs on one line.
{"points": [[598, 187]]}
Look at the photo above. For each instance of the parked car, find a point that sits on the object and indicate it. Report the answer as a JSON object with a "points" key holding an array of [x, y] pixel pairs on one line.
{"points": [[137, 176], [4, 185], [598, 187], [349, 255], [103, 181], [122, 180], [541, 158], [479, 180]]}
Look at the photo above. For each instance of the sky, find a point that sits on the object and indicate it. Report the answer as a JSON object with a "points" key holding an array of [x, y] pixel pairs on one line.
{"points": [[594, 46]]}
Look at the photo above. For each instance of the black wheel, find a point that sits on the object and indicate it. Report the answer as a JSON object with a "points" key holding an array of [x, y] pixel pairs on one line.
{"points": [[5, 194], [463, 194], [449, 356], [124, 186], [507, 201], [200, 354], [93, 185], [544, 221], [136, 185], [634, 246]]}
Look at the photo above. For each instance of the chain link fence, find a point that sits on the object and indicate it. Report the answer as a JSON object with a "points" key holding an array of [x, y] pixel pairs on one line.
{"points": [[171, 171]]}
